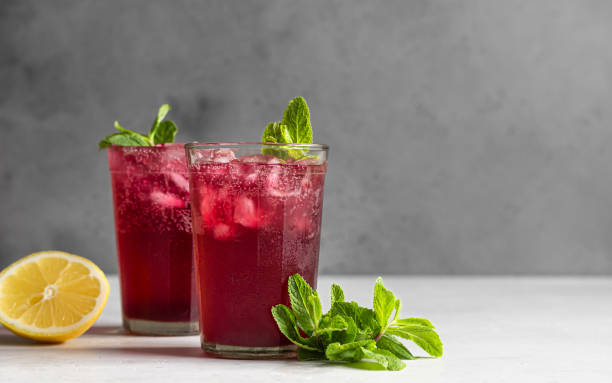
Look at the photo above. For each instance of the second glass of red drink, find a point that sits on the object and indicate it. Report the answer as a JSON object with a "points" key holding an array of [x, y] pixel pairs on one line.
{"points": [[256, 221], [154, 240]]}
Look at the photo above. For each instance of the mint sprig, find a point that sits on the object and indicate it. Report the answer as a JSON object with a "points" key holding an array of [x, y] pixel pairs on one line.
{"points": [[161, 132], [349, 332], [294, 128]]}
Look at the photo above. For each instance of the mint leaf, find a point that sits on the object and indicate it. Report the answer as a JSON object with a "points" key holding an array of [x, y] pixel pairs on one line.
{"points": [[297, 120], [293, 129], [367, 321], [348, 309], [337, 295], [349, 352], [364, 318], [349, 335], [132, 133], [303, 306], [385, 359], [161, 114], [415, 321], [384, 303], [286, 324], [165, 132], [161, 132], [278, 133], [332, 323], [423, 336], [122, 139], [388, 342], [398, 309], [335, 329], [314, 308], [122, 129]]}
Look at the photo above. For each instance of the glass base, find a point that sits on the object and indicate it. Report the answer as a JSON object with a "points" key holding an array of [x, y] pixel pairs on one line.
{"points": [[149, 327], [239, 352]]}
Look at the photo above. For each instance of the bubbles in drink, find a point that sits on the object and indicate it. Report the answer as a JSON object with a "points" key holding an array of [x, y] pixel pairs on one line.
{"points": [[150, 188], [257, 192]]}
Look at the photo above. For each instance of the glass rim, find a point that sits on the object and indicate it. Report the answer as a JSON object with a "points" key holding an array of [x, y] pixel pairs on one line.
{"points": [[168, 145], [212, 145]]}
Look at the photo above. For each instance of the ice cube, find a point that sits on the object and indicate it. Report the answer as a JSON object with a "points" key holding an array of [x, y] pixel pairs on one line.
{"points": [[179, 181], [306, 183], [248, 172], [166, 200], [277, 187], [222, 156], [304, 224], [197, 157], [260, 158], [273, 182], [222, 231], [245, 212], [314, 160]]}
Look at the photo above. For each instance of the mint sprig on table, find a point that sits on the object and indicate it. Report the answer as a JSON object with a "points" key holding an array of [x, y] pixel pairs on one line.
{"points": [[294, 128], [349, 332], [162, 132]]}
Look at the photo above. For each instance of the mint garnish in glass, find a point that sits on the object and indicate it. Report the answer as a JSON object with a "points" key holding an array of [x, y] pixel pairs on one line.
{"points": [[294, 128], [162, 132], [349, 332]]}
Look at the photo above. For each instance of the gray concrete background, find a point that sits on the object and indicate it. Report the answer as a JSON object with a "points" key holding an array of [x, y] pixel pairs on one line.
{"points": [[467, 136]]}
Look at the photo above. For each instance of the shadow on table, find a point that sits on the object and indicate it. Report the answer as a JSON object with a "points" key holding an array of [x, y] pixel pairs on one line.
{"points": [[106, 330], [119, 330], [179, 352], [7, 338]]}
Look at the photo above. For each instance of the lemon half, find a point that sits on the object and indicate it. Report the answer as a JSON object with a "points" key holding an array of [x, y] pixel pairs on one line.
{"points": [[51, 296]]}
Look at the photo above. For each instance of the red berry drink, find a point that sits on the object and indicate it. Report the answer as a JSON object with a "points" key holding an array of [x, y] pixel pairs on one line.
{"points": [[154, 239], [256, 221]]}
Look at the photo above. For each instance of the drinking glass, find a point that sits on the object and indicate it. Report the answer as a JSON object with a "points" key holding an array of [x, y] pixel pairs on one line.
{"points": [[256, 212], [154, 240]]}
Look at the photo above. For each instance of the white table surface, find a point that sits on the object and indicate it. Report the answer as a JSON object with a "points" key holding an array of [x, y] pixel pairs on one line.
{"points": [[494, 329]]}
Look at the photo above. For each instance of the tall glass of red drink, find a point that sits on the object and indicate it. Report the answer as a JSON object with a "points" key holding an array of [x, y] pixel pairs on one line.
{"points": [[256, 221], [154, 240]]}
